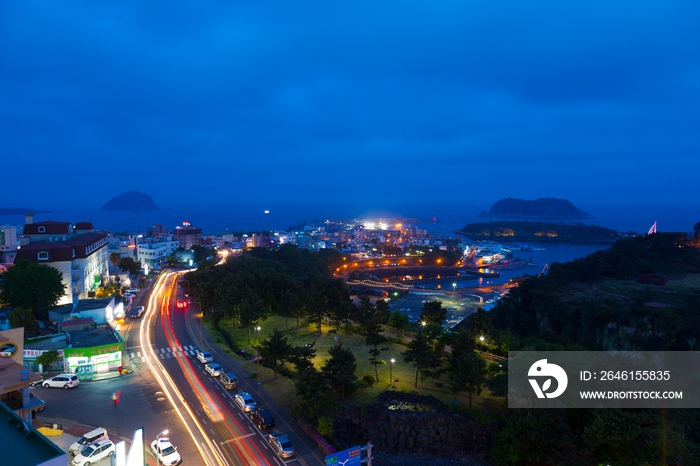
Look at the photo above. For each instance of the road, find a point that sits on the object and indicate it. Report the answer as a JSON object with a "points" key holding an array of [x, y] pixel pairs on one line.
{"points": [[168, 388]]}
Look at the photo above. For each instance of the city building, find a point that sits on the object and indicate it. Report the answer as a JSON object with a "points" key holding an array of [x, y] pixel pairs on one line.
{"points": [[8, 238], [188, 236], [77, 251], [152, 252]]}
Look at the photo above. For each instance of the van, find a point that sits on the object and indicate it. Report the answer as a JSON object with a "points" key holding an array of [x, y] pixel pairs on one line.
{"points": [[229, 380], [91, 437]]}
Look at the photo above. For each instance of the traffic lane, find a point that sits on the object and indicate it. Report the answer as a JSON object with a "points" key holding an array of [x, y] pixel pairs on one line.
{"points": [[217, 414], [306, 448], [185, 371]]}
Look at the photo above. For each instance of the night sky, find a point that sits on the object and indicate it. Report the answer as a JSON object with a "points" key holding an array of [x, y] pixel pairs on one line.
{"points": [[383, 104]]}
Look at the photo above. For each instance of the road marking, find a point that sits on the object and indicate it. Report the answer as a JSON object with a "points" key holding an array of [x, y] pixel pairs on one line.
{"points": [[133, 347], [236, 438]]}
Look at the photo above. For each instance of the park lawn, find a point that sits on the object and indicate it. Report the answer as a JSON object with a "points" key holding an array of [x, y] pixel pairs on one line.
{"points": [[282, 388]]}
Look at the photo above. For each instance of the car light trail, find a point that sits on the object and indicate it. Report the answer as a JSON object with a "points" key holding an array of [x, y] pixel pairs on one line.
{"points": [[162, 376]]}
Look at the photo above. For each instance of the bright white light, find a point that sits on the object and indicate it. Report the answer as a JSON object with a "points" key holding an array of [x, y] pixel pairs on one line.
{"points": [[267, 211]]}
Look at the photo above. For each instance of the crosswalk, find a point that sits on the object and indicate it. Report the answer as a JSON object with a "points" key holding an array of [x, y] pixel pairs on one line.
{"points": [[167, 352]]}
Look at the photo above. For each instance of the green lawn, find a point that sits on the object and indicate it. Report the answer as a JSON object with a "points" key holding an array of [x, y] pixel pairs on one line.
{"points": [[282, 388]]}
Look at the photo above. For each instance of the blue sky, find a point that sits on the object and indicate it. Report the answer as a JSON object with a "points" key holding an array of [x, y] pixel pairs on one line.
{"points": [[383, 104]]}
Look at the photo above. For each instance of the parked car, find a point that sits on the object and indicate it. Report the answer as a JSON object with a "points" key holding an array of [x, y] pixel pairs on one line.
{"points": [[262, 418], [245, 402], [137, 312], [165, 452], [213, 368], [133, 290], [91, 437], [281, 444], [94, 452], [65, 381], [229, 380], [204, 357]]}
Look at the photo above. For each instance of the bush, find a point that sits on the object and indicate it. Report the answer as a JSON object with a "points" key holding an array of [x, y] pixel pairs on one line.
{"points": [[325, 427], [369, 380]]}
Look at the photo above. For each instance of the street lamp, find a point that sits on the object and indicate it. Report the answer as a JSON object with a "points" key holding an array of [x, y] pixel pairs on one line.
{"points": [[258, 329], [481, 343], [391, 372], [454, 287]]}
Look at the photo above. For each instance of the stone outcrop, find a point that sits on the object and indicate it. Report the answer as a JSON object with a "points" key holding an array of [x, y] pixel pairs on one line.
{"points": [[403, 423]]}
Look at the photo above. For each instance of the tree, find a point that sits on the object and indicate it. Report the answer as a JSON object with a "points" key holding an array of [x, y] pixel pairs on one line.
{"points": [[115, 258], [383, 310], [274, 350], [130, 265], [399, 320], [421, 355], [374, 338], [433, 313], [466, 369], [22, 317], [251, 311], [46, 359], [314, 392], [340, 368], [302, 356], [31, 286]]}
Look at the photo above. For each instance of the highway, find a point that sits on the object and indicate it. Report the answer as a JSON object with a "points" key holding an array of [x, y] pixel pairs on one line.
{"points": [[223, 434]]}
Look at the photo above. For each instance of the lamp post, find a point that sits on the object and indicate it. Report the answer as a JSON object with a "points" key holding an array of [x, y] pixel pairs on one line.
{"points": [[258, 329], [454, 287], [391, 372], [481, 343]]}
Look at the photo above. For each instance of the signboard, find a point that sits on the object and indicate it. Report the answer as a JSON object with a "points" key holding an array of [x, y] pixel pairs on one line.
{"points": [[345, 458], [93, 350]]}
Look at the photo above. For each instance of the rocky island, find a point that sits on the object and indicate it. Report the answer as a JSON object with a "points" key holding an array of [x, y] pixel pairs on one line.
{"points": [[543, 208], [546, 232], [131, 201], [18, 211]]}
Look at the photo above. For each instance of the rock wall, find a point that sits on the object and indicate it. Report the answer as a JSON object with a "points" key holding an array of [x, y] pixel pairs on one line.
{"points": [[412, 424]]}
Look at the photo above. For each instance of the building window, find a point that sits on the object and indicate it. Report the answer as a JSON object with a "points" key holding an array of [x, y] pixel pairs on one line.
{"points": [[42, 229], [43, 256]]}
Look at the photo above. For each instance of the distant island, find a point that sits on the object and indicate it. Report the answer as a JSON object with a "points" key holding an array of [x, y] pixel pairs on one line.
{"points": [[543, 208], [19, 211], [131, 201], [545, 232]]}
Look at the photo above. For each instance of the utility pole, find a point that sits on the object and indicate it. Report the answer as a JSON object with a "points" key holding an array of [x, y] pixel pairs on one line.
{"points": [[257, 348]]}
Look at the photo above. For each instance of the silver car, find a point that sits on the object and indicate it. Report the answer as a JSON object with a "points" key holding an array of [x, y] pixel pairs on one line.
{"points": [[213, 368], [245, 402], [281, 444]]}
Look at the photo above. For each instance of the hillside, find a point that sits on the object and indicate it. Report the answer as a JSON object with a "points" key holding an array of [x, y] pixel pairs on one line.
{"points": [[131, 201], [547, 232], [544, 208]]}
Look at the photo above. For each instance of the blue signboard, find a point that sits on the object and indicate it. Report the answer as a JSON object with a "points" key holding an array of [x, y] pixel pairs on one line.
{"points": [[345, 458]]}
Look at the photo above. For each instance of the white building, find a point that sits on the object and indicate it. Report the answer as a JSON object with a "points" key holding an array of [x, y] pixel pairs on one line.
{"points": [[8, 238], [153, 251], [80, 254]]}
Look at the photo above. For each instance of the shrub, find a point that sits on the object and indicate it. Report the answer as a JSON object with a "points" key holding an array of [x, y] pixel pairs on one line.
{"points": [[369, 380], [325, 427]]}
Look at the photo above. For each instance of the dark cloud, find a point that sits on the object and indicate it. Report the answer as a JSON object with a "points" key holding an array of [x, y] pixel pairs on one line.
{"points": [[305, 97]]}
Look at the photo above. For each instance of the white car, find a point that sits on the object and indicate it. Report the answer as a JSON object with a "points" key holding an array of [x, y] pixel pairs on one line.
{"points": [[94, 452], [65, 381], [245, 402], [204, 357], [132, 290], [214, 369], [165, 452]]}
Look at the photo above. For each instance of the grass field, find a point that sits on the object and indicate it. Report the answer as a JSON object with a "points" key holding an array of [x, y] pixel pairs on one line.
{"points": [[282, 388]]}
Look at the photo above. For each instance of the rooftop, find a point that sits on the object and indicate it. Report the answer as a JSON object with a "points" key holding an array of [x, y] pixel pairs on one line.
{"points": [[20, 447]]}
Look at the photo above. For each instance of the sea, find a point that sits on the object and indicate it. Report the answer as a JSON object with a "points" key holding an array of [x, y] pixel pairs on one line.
{"points": [[443, 219]]}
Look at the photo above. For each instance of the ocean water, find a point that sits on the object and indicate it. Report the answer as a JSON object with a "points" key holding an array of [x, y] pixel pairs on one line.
{"points": [[447, 218]]}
